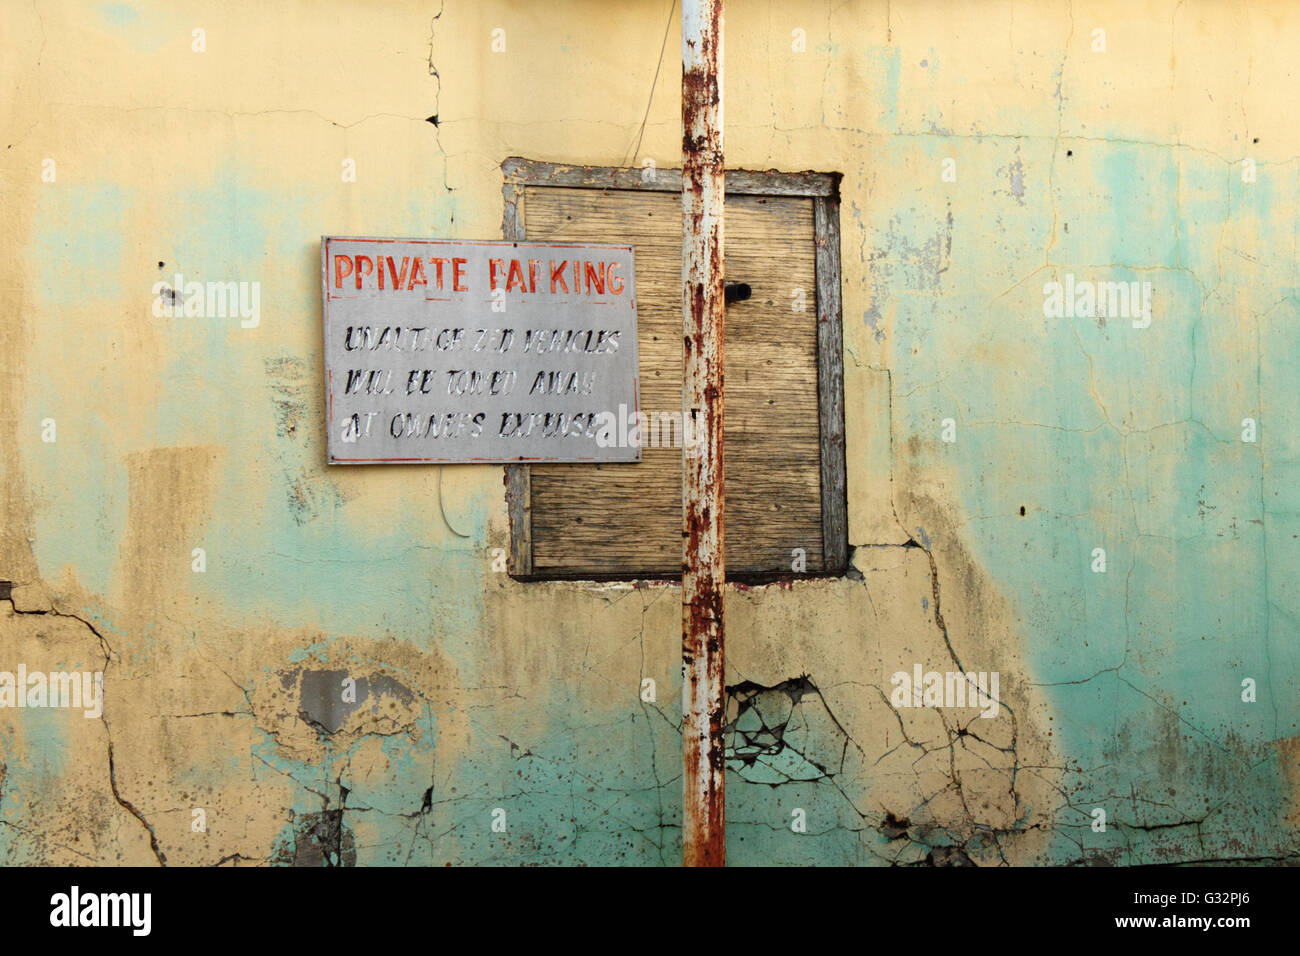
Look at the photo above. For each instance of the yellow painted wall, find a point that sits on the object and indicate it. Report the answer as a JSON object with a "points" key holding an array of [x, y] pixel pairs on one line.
{"points": [[1110, 158]]}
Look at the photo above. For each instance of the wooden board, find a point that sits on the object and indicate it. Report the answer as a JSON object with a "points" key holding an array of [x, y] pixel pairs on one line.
{"points": [[625, 520]]}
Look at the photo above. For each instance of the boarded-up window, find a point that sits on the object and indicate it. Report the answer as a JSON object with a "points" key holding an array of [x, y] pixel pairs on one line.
{"points": [[783, 426]]}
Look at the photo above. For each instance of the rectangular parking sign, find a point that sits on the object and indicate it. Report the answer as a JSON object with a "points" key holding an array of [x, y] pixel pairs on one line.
{"points": [[440, 351]]}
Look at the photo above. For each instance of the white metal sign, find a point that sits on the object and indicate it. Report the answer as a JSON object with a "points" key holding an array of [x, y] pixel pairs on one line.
{"points": [[450, 351]]}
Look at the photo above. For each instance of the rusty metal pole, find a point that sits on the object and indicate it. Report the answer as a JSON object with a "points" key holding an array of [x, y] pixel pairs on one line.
{"points": [[704, 838]]}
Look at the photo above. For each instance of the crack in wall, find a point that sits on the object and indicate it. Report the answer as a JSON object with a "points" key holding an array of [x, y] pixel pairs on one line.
{"points": [[107, 650], [437, 109], [771, 738]]}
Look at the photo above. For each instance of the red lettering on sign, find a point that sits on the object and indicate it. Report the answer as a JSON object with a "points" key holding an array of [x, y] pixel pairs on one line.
{"points": [[339, 274], [515, 270], [557, 275], [399, 279], [437, 264], [417, 275], [368, 270]]}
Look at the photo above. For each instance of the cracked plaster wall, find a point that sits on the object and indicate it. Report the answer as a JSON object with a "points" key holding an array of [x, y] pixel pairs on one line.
{"points": [[1118, 690]]}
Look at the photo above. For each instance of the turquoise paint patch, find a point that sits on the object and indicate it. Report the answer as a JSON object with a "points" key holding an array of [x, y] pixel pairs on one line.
{"points": [[120, 14], [225, 384], [887, 65], [78, 245], [217, 390], [78, 482], [1128, 439], [378, 818], [45, 748]]}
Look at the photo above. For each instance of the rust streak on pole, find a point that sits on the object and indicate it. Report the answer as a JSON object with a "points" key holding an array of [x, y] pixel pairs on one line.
{"points": [[704, 839]]}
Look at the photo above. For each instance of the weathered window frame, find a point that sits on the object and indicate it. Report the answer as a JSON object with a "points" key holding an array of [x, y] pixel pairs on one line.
{"points": [[823, 190]]}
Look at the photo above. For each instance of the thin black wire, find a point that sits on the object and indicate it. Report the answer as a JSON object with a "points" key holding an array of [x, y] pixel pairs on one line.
{"points": [[653, 83]]}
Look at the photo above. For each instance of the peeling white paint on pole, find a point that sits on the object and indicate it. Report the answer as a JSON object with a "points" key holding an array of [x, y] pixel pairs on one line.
{"points": [[703, 564]]}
